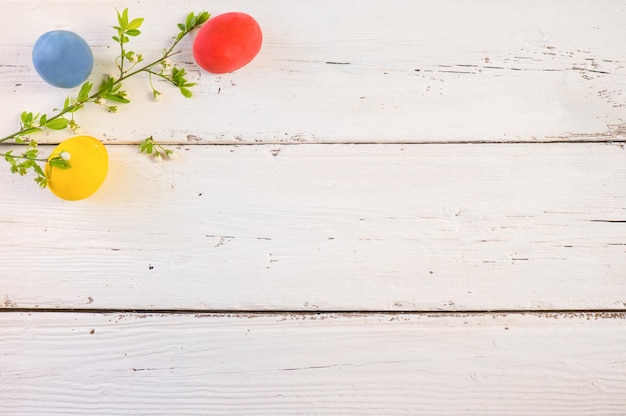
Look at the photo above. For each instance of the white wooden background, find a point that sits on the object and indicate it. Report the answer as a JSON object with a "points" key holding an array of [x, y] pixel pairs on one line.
{"points": [[399, 207]]}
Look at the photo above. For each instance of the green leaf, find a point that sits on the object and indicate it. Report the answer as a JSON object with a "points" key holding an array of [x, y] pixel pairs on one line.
{"points": [[184, 91], [181, 27], [27, 118], [38, 169], [57, 124], [31, 130], [106, 85], [83, 94], [134, 24], [43, 119], [202, 18], [177, 75], [116, 98], [119, 20], [57, 162], [188, 21], [123, 18], [42, 181], [115, 38], [133, 32], [147, 146]]}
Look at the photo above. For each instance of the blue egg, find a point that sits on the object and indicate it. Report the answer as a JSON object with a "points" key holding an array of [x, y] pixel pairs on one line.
{"points": [[62, 58]]}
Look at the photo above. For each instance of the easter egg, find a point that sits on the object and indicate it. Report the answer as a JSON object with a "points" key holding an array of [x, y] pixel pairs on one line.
{"points": [[227, 42], [89, 164], [62, 58]]}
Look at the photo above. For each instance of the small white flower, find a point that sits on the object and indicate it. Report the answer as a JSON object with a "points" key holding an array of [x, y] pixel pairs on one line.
{"points": [[77, 130], [100, 101], [156, 97], [65, 155], [172, 155], [158, 157]]}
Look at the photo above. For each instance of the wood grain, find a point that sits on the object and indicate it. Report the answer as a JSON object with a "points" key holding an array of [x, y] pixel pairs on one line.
{"points": [[377, 159], [77, 364], [328, 227], [352, 71]]}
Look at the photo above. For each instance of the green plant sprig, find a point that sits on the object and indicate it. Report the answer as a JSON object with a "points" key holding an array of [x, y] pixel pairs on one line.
{"points": [[108, 94], [156, 150]]}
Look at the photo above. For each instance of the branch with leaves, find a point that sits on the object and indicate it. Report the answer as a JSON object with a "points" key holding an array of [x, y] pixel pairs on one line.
{"points": [[109, 94]]}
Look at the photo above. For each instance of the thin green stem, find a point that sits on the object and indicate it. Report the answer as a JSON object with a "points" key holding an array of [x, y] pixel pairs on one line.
{"points": [[122, 52], [154, 90], [160, 76], [12, 136], [25, 157]]}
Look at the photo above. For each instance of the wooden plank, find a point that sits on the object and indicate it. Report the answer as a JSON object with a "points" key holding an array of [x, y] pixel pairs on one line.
{"points": [[334, 227], [353, 71], [105, 364]]}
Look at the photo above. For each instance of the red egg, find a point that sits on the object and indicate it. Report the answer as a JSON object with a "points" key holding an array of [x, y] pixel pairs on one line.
{"points": [[227, 42]]}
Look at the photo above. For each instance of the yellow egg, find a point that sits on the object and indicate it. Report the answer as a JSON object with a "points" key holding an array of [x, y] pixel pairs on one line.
{"points": [[89, 163]]}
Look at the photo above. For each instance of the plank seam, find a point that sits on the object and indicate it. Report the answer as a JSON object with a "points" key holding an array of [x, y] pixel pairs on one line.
{"points": [[398, 142], [614, 313]]}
